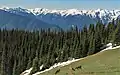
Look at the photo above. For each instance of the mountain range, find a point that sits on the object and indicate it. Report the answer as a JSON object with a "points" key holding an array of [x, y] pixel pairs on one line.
{"points": [[44, 18]]}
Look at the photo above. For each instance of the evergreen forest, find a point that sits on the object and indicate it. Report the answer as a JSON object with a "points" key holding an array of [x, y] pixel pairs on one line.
{"points": [[20, 50]]}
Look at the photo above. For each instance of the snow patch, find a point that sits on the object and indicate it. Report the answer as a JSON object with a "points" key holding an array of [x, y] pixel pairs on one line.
{"points": [[41, 67], [59, 65], [109, 46], [26, 72]]}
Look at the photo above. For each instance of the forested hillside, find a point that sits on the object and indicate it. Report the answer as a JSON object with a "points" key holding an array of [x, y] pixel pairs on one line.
{"points": [[21, 50]]}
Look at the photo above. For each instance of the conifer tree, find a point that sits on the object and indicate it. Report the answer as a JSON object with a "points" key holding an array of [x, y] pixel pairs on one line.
{"points": [[91, 45], [35, 65]]}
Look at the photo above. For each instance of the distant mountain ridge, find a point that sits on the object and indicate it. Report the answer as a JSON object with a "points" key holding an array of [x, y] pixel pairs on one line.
{"points": [[67, 18], [22, 21]]}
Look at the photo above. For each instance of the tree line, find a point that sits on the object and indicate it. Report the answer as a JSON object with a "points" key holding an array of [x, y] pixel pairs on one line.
{"points": [[21, 50]]}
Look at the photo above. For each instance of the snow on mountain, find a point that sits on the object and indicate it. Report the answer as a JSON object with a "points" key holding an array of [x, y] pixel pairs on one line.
{"points": [[15, 10], [18, 10], [22, 21], [37, 11], [66, 18], [93, 13]]}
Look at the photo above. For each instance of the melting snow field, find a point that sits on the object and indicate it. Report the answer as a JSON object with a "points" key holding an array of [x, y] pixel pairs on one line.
{"points": [[59, 64], [108, 47], [26, 72]]}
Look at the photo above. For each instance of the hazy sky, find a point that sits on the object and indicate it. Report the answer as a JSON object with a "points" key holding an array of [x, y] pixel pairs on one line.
{"points": [[63, 4]]}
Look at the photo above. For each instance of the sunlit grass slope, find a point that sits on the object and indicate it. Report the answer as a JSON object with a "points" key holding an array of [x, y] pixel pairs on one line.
{"points": [[102, 63]]}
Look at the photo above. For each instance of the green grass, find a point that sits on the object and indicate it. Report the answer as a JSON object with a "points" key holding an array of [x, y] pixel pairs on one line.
{"points": [[102, 63]]}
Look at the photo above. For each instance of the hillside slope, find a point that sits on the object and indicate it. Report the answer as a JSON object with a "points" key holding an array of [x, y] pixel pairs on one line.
{"points": [[103, 63]]}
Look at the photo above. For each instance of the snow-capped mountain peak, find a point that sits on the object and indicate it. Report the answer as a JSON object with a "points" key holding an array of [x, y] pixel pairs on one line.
{"points": [[66, 18], [37, 11], [16, 10]]}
